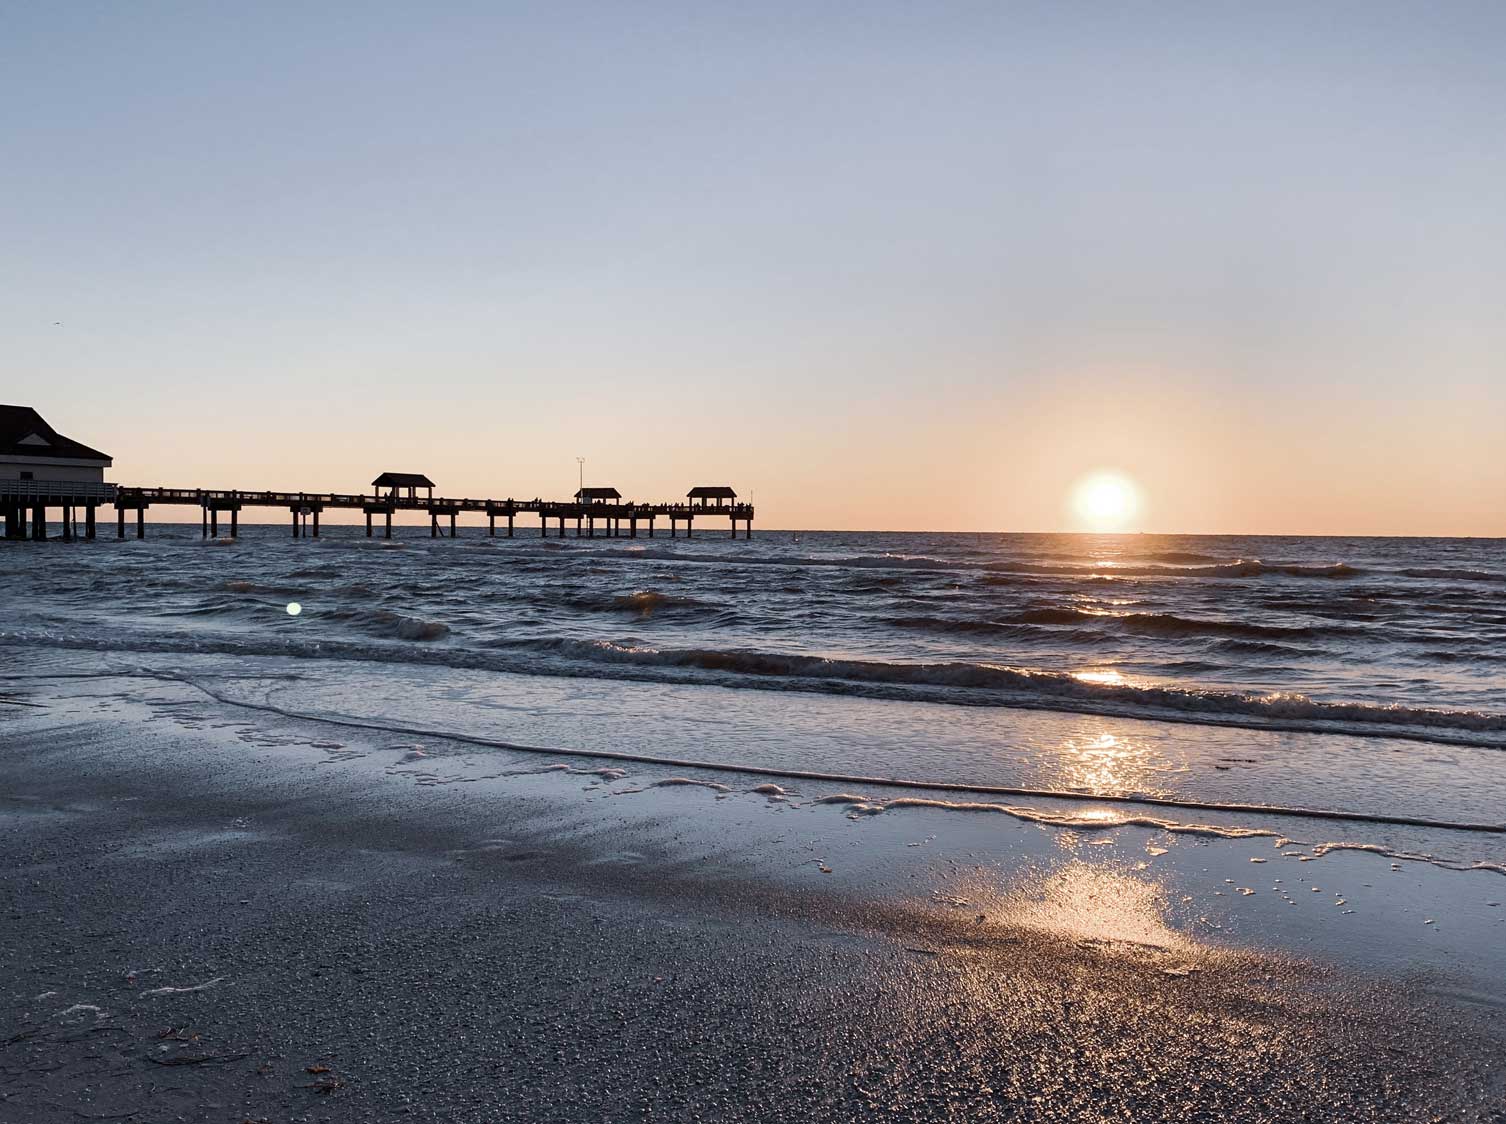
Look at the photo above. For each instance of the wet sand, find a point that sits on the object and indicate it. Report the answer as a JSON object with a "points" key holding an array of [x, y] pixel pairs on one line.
{"points": [[210, 915]]}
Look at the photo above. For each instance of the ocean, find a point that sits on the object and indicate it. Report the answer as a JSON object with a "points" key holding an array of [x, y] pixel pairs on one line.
{"points": [[1359, 675]]}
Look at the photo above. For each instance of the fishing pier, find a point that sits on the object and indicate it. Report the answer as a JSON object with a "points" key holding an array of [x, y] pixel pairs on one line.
{"points": [[42, 469], [591, 517]]}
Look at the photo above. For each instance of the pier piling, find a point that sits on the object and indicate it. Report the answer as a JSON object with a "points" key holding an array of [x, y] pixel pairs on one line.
{"points": [[24, 508]]}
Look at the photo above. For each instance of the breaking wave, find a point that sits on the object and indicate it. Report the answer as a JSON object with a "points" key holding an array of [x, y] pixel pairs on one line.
{"points": [[1012, 686], [1237, 568], [976, 684]]}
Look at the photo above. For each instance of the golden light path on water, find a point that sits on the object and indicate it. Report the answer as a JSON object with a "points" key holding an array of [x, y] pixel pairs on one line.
{"points": [[1111, 765], [1085, 901]]}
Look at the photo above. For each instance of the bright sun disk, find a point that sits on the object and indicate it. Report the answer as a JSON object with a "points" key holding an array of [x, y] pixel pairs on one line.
{"points": [[1106, 501]]}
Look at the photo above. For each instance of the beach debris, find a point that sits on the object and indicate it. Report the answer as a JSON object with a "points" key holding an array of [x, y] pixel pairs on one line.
{"points": [[205, 986], [825, 869], [1430, 921], [196, 1059], [1151, 849], [1245, 890], [316, 1069], [83, 1009], [1255, 860]]}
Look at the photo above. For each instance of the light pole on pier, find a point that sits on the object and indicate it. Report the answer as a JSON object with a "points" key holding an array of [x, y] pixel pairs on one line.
{"points": [[582, 462]]}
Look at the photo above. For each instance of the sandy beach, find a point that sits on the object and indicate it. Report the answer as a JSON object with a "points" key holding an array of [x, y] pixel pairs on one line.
{"points": [[214, 913]]}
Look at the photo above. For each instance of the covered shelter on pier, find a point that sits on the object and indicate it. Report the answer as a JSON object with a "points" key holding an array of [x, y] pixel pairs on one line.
{"points": [[597, 495], [396, 481], [702, 495]]}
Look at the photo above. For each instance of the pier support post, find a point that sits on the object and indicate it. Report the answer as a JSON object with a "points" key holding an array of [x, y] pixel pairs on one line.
{"points": [[491, 524], [543, 525], [689, 527], [316, 522], [67, 530], [120, 522], [509, 524], [203, 522], [368, 524], [632, 526], [141, 522], [295, 522], [562, 526], [674, 525], [591, 530], [650, 526], [89, 528], [38, 524], [389, 524], [433, 525], [214, 522], [235, 522], [452, 524]]}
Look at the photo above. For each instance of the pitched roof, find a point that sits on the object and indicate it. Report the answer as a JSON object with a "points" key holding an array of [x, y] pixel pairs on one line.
{"points": [[598, 494], [402, 480], [711, 492], [23, 433]]}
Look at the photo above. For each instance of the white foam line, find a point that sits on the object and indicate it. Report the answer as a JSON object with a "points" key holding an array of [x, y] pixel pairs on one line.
{"points": [[848, 779], [181, 990]]}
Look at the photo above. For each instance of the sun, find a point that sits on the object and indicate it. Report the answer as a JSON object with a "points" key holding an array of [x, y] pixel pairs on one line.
{"points": [[1106, 500]]}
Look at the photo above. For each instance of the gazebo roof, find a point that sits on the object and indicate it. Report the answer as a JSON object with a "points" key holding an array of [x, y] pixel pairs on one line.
{"points": [[711, 492], [23, 433], [598, 494], [402, 480]]}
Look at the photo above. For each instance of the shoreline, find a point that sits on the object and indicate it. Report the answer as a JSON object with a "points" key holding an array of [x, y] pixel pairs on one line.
{"points": [[584, 944]]}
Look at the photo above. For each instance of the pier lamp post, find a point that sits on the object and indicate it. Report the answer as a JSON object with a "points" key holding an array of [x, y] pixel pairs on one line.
{"points": [[581, 461]]}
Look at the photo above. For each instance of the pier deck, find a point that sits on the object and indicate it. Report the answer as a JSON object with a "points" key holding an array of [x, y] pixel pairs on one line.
{"points": [[611, 519]]}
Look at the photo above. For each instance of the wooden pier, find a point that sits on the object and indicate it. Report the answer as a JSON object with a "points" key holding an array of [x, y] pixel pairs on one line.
{"points": [[591, 516]]}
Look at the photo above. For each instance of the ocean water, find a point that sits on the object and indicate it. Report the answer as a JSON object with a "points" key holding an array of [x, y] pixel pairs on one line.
{"points": [[1362, 675]]}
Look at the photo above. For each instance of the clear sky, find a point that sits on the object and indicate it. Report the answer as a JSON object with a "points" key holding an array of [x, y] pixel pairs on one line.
{"points": [[882, 265]]}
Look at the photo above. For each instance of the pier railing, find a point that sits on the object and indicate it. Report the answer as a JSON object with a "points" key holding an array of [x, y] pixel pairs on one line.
{"points": [[57, 491]]}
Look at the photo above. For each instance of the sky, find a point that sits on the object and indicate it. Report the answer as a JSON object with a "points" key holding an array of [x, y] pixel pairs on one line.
{"points": [[878, 266]]}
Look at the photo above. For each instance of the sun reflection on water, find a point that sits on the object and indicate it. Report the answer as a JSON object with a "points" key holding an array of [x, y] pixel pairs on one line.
{"points": [[1109, 764], [1098, 904]]}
